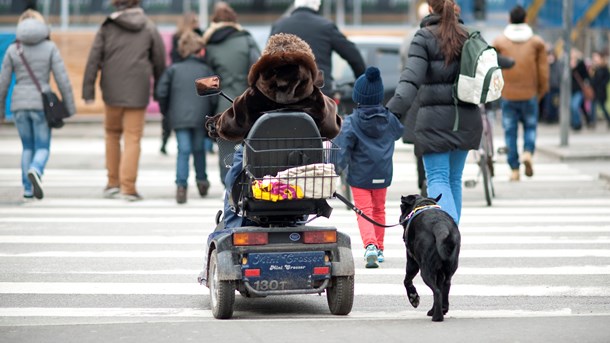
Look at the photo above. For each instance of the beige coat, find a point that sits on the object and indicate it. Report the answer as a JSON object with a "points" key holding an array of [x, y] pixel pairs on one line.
{"points": [[529, 76]]}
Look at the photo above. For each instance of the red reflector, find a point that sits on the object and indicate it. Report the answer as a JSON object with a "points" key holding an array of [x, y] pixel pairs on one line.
{"points": [[250, 238], [321, 270], [319, 237], [252, 272]]}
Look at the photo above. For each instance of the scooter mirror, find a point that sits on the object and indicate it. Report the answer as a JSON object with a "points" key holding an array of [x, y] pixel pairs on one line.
{"points": [[209, 85]]}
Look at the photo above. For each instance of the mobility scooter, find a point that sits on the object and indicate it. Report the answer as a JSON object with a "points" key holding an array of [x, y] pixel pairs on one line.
{"points": [[287, 176]]}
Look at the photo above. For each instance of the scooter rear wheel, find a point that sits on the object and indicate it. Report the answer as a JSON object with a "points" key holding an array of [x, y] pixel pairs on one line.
{"points": [[222, 293], [340, 295]]}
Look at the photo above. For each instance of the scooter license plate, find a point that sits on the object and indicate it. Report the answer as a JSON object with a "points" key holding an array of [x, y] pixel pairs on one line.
{"points": [[284, 271]]}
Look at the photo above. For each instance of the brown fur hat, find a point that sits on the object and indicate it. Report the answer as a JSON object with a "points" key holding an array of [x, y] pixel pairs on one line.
{"points": [[286, 72]]}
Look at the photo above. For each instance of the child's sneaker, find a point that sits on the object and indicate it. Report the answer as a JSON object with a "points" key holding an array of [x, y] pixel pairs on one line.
{"points": [[380, 256], [370, 255]]}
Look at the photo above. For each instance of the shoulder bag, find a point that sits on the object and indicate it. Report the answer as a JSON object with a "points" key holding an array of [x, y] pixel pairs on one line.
{"points": [[55, 111], [585, 86]]}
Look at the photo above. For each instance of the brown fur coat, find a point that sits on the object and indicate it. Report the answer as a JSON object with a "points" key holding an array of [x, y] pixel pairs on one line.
{"points": [[285, 77]]}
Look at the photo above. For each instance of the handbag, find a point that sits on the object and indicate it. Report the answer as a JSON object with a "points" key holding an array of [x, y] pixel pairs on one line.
{"points": [[585, 87], [54, 109]]}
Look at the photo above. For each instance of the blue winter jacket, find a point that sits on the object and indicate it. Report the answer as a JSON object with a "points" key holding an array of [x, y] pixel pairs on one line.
{"points": [[367, 145]]}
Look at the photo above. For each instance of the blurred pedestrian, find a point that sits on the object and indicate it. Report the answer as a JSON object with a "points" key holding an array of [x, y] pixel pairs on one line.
{"points": [[580, 80], [129, 51], [186, 112], [43, 57], [367, 145], [599, 81], [524, 85], [323, 37], [188, 22], [549, 105], [230, 51], [432, 66]]}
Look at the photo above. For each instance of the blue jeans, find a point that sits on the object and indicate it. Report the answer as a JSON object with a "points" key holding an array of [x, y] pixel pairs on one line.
{"points": [[444, 175], [36, 141], [513, 112], [575, 108], [190, 142], [232, 219]]}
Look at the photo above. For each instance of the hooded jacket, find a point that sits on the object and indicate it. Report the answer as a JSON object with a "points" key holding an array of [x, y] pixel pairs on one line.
{"points": [[129, 51], [177, 99], [529, 77], [228, 54], [43, 57], [367, 146], [283, 78], [426, 76]]}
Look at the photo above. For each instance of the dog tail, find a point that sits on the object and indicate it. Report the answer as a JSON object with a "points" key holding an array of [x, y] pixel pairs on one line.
{"points": [[445, 244]]}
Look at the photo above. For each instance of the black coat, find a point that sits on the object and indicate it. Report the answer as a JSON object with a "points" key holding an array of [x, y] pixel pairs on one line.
{"points": [[323, 37], [599, 81], [427, 77], [177, 97]]}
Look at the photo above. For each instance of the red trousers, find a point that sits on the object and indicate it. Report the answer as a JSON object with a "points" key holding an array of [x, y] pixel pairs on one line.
{"points": [[372, 203]]}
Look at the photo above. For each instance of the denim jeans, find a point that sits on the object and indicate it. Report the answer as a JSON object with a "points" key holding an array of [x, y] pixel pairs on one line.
{"points": [[514, 112], [444, 175], [190, 142], [602, 105], [575, 108], [36, 141], [232, 219]]}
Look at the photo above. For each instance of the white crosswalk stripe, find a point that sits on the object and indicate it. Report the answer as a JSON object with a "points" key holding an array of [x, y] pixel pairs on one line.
{"points": [[58, 249]]}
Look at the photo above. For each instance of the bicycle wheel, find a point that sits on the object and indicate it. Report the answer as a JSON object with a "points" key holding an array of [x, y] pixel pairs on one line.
{"points": [[486, 173]]}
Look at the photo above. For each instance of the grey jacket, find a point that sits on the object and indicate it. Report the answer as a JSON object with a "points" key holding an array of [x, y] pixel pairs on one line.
{"points": [[129, 51], [177, 97], [43, 57], [228, 54]]}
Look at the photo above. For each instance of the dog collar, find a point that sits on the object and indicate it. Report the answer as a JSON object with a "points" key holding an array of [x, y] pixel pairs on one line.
{"points": [[413, 214]]}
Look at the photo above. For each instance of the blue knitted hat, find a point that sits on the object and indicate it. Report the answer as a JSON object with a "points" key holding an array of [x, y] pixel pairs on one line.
{"points": [[368, 88]]}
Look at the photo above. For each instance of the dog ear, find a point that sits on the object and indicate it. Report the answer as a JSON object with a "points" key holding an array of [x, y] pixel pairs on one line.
{"points": [[438, 197], [409, 200]]}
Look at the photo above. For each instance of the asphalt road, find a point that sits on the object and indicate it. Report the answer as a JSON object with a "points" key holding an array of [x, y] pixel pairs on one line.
{"points": [[534, 267]]}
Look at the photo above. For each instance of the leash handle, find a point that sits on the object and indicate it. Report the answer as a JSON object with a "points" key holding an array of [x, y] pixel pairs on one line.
{"points": [[359, 211]]}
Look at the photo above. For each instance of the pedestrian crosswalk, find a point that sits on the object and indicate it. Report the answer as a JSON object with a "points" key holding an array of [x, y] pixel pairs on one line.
{"points": [[75, 257], [78, 256]]}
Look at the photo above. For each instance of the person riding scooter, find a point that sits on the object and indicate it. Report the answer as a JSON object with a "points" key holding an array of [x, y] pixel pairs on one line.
{"points": [[284, 77]]}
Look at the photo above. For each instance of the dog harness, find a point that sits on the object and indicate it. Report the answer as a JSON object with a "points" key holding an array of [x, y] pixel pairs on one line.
{"points": [[412, 215]]}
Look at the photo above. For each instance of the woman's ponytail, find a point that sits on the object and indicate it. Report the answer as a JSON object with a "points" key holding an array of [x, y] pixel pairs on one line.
{"points": [[450, 35]]}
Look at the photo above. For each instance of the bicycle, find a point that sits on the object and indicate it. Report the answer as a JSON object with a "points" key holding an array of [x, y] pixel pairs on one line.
{"points": [[484, 158]]}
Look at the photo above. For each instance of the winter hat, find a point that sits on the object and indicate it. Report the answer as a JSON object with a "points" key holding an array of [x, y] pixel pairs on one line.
{"points": [[313, 4], [368, 88]]}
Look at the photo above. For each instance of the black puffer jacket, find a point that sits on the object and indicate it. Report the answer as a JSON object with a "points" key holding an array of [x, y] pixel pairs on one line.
{"points": [[426, 71], [323, 37]]}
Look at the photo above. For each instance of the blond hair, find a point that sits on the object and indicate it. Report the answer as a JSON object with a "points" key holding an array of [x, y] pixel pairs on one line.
{"points": [[189, 43], [32, 14]]}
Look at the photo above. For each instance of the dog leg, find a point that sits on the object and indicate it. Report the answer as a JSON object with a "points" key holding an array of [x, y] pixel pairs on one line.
{"points": [[446, 287], [412, 270], [436, 311]]}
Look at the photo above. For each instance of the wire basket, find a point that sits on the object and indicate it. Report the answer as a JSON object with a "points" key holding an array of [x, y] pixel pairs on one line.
{"points": [[290, 168]]}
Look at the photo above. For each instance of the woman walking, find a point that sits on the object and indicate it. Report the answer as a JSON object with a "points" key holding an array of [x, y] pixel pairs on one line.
{"points": [[43, 58], [431, 68]]}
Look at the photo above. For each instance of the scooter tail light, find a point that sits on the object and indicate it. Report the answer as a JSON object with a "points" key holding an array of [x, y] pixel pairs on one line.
{"points": [[250, 238], [321, 270], [252, 272], [313, 237]]}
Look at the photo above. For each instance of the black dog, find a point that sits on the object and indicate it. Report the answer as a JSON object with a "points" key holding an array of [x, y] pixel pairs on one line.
{"points": [[432, 240]]}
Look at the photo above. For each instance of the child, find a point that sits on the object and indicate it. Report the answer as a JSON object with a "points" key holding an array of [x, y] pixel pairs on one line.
{"points": [[186, 112], [367, 145]]}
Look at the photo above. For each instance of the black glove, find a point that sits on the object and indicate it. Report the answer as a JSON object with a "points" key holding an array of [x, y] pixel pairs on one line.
{"points": [[210, 126]]}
